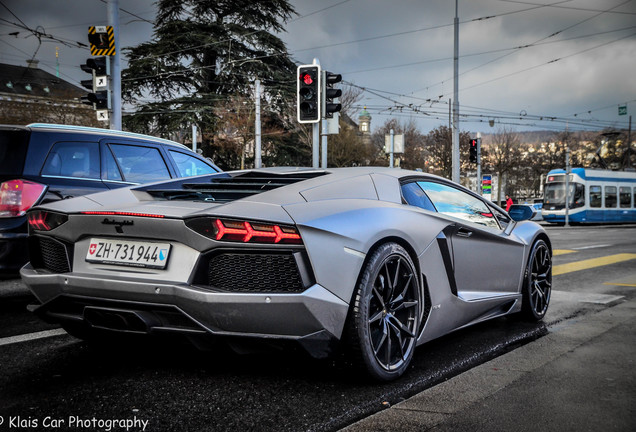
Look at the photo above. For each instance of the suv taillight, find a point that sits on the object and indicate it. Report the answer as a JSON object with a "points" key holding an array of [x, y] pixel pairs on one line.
{"points": [[17, 196]]}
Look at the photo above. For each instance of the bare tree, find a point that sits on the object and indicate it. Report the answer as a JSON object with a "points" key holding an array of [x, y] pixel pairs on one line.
{"points": [[504, 154]]}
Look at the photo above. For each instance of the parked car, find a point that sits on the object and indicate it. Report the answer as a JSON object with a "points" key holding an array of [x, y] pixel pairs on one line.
{"points": [[376, 260], [41, 163]]}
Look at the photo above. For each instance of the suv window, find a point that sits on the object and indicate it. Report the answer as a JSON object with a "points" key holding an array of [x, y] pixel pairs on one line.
{"points": [[140, 164], [456, 203], [73, 159], [189, 165]]}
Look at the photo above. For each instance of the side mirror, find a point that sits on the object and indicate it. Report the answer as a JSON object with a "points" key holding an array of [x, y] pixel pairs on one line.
{"points": [[520, 213]]}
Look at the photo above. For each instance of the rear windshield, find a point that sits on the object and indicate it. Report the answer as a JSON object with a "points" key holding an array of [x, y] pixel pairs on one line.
{"points": [[13, 150]]}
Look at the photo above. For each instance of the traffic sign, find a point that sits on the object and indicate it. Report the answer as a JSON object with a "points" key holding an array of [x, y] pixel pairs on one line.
{"points": [[102, 39], [101, 82], [622, 110], [102, 115]]}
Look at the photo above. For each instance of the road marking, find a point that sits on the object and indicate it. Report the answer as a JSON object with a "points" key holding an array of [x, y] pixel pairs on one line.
{"points": [[591, 247], [31, 336], [620, 284], [562, 251], [591, 263]]}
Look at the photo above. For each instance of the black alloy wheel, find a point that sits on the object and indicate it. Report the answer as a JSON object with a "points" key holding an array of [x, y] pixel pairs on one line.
{"points": [[386, 313], [538, 282]]}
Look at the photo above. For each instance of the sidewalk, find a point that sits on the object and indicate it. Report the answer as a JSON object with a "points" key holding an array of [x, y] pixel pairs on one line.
{"points": [[580, 377]]}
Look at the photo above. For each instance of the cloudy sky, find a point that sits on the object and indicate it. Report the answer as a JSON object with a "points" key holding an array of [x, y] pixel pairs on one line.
{"points": [[525, 64]]}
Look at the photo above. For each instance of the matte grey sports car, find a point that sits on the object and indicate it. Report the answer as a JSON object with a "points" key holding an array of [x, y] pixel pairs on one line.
{"points": [[373, 260]]}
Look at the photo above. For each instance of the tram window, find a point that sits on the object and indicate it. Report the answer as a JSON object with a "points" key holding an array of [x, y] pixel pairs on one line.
{"points": [[610, 196], [625, 197], [595, 196]]}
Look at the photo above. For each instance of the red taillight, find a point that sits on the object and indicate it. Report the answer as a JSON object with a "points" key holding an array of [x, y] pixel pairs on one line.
{"points": [[113, 213], [17, 196], [41, 220], [244, 231]]}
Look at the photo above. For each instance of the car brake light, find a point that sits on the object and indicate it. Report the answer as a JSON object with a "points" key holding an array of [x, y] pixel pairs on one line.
{"points": [[17, 196], [116, 213], [41, 220], [244, 231]]}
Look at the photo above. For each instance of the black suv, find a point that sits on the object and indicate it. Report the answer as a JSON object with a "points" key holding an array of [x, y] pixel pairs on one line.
{"points": [[40, 163]]}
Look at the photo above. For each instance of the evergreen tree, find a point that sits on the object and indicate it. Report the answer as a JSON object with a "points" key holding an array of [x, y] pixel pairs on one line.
{"points": [[204, 53]]}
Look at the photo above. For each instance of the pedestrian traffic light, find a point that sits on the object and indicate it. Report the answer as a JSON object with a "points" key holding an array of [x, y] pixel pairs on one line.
{"points": [[473, 151], [308, 94], [99, 68], [330, 93]]}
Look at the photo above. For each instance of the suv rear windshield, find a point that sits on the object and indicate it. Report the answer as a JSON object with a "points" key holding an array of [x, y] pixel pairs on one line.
{"points": [[13, 150]]}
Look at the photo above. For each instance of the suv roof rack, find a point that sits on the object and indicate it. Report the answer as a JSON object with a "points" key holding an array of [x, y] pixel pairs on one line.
{"points": [[104, 132]]}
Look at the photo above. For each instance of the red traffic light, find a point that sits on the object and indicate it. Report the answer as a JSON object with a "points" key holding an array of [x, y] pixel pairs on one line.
{"points": [[473, 142], [306, 78]]}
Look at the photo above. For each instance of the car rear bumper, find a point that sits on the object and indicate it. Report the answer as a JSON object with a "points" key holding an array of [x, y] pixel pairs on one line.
{"points": [[314, 316]]}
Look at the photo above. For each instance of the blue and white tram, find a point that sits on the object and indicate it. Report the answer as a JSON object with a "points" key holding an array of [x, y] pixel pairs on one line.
{"points": [[596, 196]]}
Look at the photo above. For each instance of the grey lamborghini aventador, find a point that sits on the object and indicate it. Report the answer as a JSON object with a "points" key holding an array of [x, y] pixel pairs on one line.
{"points": [[372, 260]]}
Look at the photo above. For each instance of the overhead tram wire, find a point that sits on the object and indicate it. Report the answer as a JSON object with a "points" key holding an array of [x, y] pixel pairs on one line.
{"points": [[565, 7], [536, 43]]}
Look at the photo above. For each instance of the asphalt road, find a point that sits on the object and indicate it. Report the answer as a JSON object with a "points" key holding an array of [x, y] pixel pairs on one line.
{"points": [[175, 387]]}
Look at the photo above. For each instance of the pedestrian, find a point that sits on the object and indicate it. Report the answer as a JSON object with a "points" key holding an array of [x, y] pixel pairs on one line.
{"points": [[508, 202]]}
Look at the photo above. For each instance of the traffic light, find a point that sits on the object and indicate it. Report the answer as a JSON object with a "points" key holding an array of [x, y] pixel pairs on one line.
{"points": [[330, 94], [473, 151], [308, 94], [99, 97]]}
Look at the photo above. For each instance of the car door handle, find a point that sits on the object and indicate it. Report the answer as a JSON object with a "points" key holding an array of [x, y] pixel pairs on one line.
{"points": [[463, 232]]}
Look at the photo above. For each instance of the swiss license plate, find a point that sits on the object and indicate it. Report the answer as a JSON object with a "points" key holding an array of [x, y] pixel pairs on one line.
{"points": [[128, 253]]}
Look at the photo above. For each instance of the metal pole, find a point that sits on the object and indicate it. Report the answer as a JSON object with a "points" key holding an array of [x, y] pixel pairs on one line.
{"points": [[194, 138], [315, 144], [479, 188], [455, 158], [115, 71], [392, 148], [323, 139], [629, 144], [257, 126], [567, 187], [315, 136]]}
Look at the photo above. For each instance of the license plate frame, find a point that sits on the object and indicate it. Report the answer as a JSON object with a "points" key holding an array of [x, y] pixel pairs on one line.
{"points": [[130, 253]]}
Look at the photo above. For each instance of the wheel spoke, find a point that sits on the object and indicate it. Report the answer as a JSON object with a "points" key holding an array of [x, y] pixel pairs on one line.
{"points": [[389, 346], [401, 326], [398, 334], [397, 274], [377, 348], [375, 317]]}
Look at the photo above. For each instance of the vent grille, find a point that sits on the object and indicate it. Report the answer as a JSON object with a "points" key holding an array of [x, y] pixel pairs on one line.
{"points": [[229, 188], [253, 272], [54, 256]]}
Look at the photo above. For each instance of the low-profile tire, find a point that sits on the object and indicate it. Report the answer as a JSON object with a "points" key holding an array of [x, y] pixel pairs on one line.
{"points": [[382, 328], [537, 286]]}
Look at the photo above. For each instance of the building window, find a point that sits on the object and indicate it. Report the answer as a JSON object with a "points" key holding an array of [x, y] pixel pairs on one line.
{"points": [[364, 127]]}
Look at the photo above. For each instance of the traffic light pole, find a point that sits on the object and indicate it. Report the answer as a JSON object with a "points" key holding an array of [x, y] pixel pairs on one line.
{"points": [[113, 20], [479, 188]]}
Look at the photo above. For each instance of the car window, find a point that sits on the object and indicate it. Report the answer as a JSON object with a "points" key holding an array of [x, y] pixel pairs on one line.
{"points": [[111, 170], [140, 164], [456, 203], [73, 159], [188, 166], [415, 196]]}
